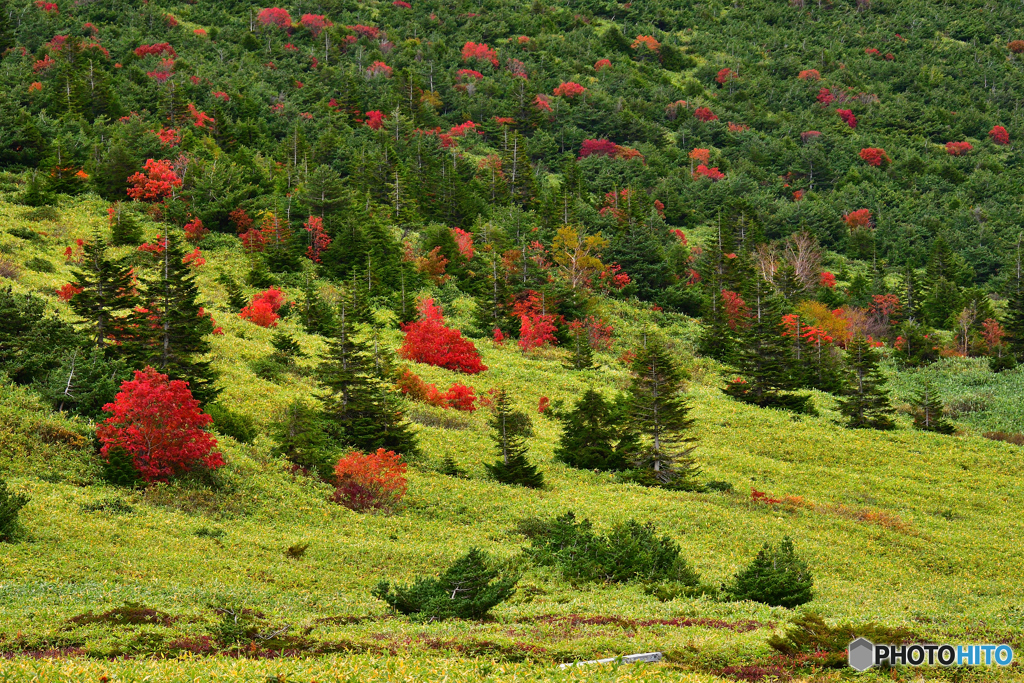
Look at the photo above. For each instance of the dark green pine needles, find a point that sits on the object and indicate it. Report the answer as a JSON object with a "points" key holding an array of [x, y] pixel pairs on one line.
{"points": [[776, 577], [864, 402], [509, 428], [591, 433]]}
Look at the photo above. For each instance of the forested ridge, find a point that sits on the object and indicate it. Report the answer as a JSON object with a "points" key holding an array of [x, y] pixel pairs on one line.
{"points": [[428, 275]]}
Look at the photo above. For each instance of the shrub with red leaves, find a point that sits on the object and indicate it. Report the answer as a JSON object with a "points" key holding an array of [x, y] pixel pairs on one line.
{"points": [[999, 135], [809, 75], [827, 279], [1016, 46], [875, 156], [810, 136], [375, 119], [600, 147], [957, 149], [314, 23], [543, 404], [155, 49], [705, 114], [158, 424], [429, 341], [264, 307], [602, 64], [861, 218], [724, 75], [275, 16], [156, 184], [460, 397], [318, 239], [464, 241], [370, 481], [825, 96], [569, 89], [736, 310], [195, 231], [712, 173], [478, 51], [847, 116]]}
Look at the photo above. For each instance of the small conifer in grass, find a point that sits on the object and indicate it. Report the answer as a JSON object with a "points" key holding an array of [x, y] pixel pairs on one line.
{"points": [[10, 505], [450, 468], [659, 415], [776, 577], [468, 589], [590, 435], [581, 354], [236, 298], [105, 293], [118, 469], [864, 401], [928, 411], [300, 433], [124, 226], [508, 431], [1014, 324]]}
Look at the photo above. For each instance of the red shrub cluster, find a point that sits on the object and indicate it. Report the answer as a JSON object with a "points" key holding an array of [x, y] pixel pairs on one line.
{"points": [[68, 291], [240, 219], [314, 23], [569, 89], [736, 311], [541, 103], [809, 75], [464, 241], [155, 49], [543, 404], [478, 51], [825, 96], [724, 75], [827, 279], [429, 341], [371, 32], [378, 69], [1016, 46], [318, 239], [195, 231], [861, 218], [712, 173], [999, 135], [48, 7], [957, 149], [611, 279], [462, 74], [264, 307], [700, 154], [705, 114], [847, 116], [194, 259], [222, 96], [600, 147], [370, 481], [810, 135], [156, 183], [375, 119], [275, 16], [875, 156], [159, 425], [459, 396], [602, 64], [762, 497], [536, 328]]}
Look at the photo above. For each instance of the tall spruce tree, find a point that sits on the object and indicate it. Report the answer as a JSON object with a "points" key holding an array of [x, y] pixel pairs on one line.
{"points": [[928, 410], [864, 402], [508, 431], [357, 407], [765, 359], [106, 296], [1014, 324], [660, 415], [171, 331], [581, 355], [590, 434]]}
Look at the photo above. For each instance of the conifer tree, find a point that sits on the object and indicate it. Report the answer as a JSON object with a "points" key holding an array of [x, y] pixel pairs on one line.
{"points": [[6, 28], [170, 331], [911, 298], [519, 172], [106, 293], [1014, 325], [315, 314], [124, 228], [590, 435], [659, 414], [581, 354], [928, 410], [765, 360], [864, 402], [508, 427], [236, 298], [358, 408]]}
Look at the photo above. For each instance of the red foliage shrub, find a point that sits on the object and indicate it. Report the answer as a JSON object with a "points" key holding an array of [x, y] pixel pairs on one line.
{"points": [[264, 307], [318, 239], [569, 89], [156, 184], [649, 42], [478, 51], [724, 75], [809, 75], [541, 103], [956, 149], [402, 3], [68, 291], [314, 23], [240, 219], [809, 136], [827, 279], [847, 116], [462, 74], [464, 241], [875, 156], [700, 154], [159, 425], [375, 119], [48, 7], [371, 32], [762, 497], [705, 114], [155, 49], [168, 136], [222, 96], [825, 96], [275, 16], [460, 397], [611, 279], [499, 337], [712, 174], [378, 69], [736, 311], [872, 52], [429, 341], [370, 481], [543, 404], [194, 259], [998, 134], [1016, 46], [600, 147], [195, 231], [861, 218], [602, 64], [536, 330]]}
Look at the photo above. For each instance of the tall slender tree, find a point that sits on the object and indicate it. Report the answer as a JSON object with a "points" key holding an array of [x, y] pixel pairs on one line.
{"points": [[864, 401], [590, 434], [106, 294], [508, 431], [660, 415], [928, 410]]}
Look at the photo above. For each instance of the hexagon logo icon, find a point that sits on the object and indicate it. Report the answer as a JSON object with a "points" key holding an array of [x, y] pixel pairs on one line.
{"points": [[861, 654]]}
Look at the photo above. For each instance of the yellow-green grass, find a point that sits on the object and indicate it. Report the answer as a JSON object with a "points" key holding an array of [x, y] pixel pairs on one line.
{"points": [[903, 528]]}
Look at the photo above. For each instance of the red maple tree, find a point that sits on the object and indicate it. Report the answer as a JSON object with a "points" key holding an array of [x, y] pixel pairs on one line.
{"points": [[999, 135], [160, 426], [156, 183], [275, 16], [368, 481], [875, 156], [264, 307]]}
